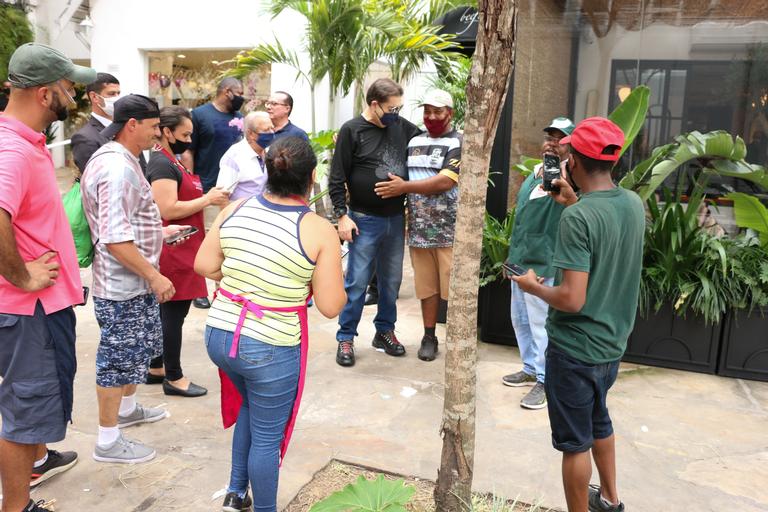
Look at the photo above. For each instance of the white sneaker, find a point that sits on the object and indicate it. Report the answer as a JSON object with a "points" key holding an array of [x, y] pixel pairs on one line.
{"points": [[124, 451], [141, 415]]}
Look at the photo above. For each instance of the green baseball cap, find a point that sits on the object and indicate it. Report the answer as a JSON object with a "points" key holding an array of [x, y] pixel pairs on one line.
{"points": [[563, 124], [34, 64]]}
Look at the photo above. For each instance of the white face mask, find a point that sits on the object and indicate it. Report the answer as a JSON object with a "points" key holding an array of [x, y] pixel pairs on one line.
{"points": [[109, 105]]}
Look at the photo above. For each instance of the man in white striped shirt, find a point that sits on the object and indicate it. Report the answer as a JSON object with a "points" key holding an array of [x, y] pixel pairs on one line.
{"points": [[434, 162]]}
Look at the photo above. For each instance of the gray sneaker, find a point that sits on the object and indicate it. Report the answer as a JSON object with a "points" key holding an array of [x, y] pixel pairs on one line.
{"points": [[519, 379], [141, 415], [536, 398], [124, 451]]}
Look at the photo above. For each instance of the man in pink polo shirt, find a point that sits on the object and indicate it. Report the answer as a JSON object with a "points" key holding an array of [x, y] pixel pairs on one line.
{"points": [[39, 274]]}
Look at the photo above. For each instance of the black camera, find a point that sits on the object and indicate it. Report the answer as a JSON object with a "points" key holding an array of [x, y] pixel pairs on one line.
{"points": [[551, 173]]}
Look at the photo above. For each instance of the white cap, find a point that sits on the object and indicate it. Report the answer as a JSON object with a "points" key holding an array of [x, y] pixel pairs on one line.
{"points": [[437, 98]]}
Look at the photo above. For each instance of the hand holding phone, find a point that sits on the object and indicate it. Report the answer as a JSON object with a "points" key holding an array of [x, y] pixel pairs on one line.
{"points": [[513, 270], [551, 173], [182, 233]]}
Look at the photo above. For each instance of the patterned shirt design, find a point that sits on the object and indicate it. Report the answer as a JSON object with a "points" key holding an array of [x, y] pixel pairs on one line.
{"points": [[432, 218], [118, 204]]}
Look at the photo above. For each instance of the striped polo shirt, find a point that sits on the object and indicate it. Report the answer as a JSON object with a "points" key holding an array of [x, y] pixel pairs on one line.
{"points": [[265, 263], [432, 218]]}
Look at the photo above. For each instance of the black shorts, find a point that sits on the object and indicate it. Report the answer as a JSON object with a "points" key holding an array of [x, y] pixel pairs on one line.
{"points": [[576, 400], [37, 364]]}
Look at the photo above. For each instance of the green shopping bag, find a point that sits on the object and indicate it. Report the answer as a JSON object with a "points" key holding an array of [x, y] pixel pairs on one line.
{"points": [[81, 232]]}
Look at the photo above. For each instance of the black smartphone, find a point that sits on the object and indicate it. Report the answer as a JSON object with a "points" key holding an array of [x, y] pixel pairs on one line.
{"points": [[85, 296], [191, 230], [551, 173], [513, 270]]}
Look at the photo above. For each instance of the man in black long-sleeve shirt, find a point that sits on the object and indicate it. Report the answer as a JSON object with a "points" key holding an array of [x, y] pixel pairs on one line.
{"points": [[368, 149]]}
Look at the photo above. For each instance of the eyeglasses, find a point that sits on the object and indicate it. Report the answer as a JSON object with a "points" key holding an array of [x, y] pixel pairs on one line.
{"points": [[392, 110], [269, 103], [70, 93]]}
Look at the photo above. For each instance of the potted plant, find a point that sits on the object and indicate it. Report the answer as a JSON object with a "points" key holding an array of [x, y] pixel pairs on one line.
{"points": [[684, 289], [744, 351], [494, 295]]}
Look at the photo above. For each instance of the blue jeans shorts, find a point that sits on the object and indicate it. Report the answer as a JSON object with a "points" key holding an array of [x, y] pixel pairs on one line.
{"points": [[576, 400], [37, 366]]}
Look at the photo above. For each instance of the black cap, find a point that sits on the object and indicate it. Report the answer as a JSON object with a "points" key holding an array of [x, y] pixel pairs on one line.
{"points": [[133, 106]]}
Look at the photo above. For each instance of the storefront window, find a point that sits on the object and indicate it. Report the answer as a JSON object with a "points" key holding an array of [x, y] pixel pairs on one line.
{"points": [[706, 64]]}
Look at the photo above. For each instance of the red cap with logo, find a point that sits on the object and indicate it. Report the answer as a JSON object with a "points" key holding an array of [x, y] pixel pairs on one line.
{"points": [[598, 138]]}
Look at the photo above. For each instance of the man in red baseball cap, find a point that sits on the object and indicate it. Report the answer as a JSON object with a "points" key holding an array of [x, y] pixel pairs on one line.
{"points": [[598, 257]]}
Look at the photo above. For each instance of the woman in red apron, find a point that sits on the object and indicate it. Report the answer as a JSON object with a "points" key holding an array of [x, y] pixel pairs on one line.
{"points": [[179, 197], [268, 252]]}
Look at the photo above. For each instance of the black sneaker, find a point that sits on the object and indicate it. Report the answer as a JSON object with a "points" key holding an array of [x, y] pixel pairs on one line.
{"points": [[201, 303], [345, 354], [234, 503], [597, 504], [388, 342], [36, 507], [56, 463], [428, 349]]}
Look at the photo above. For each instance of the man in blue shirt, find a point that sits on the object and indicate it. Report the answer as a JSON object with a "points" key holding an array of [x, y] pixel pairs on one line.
{"points": [[214, 131], [279, 107]]}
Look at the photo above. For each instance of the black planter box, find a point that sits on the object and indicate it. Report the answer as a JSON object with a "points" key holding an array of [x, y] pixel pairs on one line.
{"points": [[744, 353], [668, 340], [493, 313]]}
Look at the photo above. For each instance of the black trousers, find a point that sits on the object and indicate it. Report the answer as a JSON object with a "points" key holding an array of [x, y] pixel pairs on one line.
{"points": [[172, 315]]}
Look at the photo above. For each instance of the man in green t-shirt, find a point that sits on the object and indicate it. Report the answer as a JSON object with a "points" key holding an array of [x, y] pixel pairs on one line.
{"points": [[531, 245], [598, 257]]}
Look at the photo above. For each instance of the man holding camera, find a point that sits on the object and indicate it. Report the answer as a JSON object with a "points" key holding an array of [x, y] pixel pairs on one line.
{"points": [[598, 257], [531, 244]]}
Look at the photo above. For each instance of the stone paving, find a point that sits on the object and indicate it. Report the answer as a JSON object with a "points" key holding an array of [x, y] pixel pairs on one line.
{"points": [[685, 441]]}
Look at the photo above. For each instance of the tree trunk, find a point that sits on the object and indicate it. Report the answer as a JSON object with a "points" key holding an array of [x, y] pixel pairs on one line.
{"points": [[492, 67]]}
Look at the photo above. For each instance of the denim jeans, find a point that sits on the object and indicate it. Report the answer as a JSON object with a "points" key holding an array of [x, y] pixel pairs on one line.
{"points": [[267, 377], [529, 317], [379, 246]]}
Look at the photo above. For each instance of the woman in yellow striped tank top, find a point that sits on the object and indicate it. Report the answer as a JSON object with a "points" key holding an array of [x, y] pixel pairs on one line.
{"points": [[268, 252]]}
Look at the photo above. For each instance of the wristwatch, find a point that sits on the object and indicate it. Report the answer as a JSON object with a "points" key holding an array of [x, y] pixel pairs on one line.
{"points": [[340, 211]]}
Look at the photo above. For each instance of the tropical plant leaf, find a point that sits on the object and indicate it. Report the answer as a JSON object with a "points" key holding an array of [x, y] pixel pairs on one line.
{"points": [[630, 114], [750, 213], [526, 165], [380, 495], [717, 152]]}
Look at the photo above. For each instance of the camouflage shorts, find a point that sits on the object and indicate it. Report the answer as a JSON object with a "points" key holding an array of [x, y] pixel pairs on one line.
{"points": [[131, 335]]}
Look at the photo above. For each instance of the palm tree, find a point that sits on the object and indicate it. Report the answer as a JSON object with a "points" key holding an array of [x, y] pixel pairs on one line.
{"points": [[344, 37]]}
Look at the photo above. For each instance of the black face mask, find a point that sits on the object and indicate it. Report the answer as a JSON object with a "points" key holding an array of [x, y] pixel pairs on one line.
{"points": [[570, 177], [237, 103], [179, 146]]}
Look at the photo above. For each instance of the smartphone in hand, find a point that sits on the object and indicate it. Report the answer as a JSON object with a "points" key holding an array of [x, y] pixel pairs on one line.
{"points": [[191, 230], [513, 270], [551, 173]]}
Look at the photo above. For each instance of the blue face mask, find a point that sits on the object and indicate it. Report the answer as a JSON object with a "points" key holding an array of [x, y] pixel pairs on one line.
{"points": [[265, 139], [389, 118]]}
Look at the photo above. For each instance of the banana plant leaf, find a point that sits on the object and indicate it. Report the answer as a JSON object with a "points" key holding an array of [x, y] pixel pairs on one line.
{"points": [[750, 213], [380, 495], [717, 152], [630, 114]]}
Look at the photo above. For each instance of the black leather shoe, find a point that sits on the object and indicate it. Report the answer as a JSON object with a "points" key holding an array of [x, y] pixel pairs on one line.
{"points": [[388, 342], [202, 303], [154, 379], [428, 349], [345, 354], [234, 503], [191, 392], [371, 298]]}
